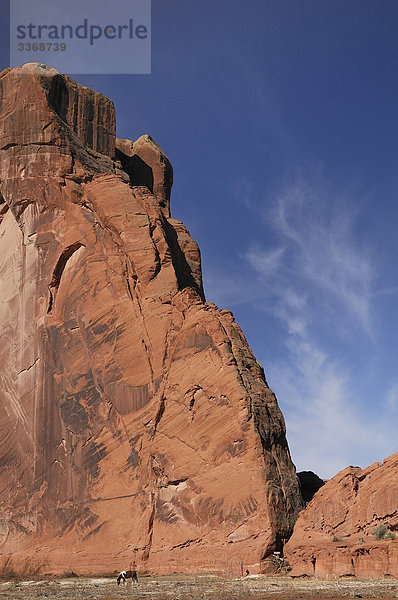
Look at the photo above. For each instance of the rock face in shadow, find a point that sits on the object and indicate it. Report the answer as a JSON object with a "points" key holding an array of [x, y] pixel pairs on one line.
{"points": [[310, 483], [351, 525], [136, 423]]}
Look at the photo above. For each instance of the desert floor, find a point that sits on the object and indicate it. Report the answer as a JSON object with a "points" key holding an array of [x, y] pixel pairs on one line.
{"points": [[198, 588]]}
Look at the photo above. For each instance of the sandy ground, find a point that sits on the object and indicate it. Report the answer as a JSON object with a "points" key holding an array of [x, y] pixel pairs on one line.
{"points": [[198, 588]]}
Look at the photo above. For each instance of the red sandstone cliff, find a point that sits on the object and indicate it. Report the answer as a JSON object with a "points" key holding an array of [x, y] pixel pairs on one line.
{"points": [[337, 534], [135, 422]]}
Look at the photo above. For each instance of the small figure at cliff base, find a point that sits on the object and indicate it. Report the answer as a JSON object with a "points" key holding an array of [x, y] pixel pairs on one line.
{"points": [[127, 575]]}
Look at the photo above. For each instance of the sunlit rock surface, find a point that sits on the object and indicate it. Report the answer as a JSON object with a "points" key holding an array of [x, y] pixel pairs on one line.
{"points": [[135, 423], [351, 525]]}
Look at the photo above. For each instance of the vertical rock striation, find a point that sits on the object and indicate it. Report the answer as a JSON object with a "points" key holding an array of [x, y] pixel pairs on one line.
{"points": [[135, 422]]}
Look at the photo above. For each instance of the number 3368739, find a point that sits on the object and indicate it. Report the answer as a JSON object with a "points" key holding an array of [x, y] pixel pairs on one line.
{"points": [[42, 47]]}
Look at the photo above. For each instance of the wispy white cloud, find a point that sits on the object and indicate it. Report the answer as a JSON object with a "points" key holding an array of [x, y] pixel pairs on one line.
{"points": [[327, 427], [386, 291], [230, 287], [318, 277], [267, 263], [311, 273], [323, 250], [317, 258], [391, 400]]}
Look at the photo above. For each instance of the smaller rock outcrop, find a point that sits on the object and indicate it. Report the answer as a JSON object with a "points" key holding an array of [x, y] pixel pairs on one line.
{"points": [[351, 525], [147, 164]]}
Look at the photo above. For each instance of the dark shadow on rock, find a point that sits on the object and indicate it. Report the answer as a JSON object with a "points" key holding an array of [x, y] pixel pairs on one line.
{"points": [[142, 173], [58, 97], [3, 207], [139, 171], [310, 483], [182, 269]]}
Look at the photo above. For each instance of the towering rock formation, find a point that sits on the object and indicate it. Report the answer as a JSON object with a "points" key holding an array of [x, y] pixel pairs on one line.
{"points": [[135, 422], [351, 525]]}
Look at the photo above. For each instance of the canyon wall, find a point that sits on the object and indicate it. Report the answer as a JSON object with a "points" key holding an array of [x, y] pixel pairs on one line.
{"points": [[135, 422], [351, 526]]}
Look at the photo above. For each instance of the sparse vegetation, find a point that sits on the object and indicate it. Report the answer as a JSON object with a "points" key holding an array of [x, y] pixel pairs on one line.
{"points": [[361, 540], [382, 532], [197, 587], [335, 538]]}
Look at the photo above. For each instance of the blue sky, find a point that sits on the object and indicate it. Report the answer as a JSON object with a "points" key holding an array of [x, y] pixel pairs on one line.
{"points": [[280, 120]]}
